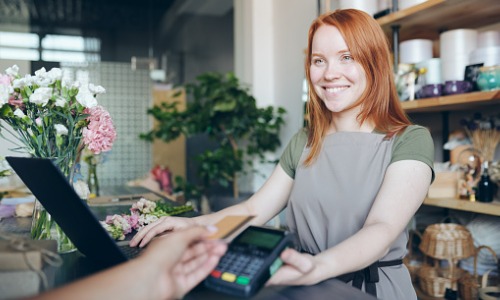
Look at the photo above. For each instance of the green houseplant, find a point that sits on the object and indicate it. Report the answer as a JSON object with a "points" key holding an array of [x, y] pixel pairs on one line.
{"points": [[220, 107]]}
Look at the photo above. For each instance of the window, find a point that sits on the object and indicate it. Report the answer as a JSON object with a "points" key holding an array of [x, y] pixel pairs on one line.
{"points": [[19, 45], [51, 47]]}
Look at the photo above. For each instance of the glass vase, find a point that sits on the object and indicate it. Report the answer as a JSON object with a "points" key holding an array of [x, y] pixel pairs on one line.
{"points": [[92, 180], [43, 226]]}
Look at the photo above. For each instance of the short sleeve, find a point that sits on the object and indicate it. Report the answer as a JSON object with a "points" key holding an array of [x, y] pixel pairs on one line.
{"points": [[415, 143], [291, 156]]}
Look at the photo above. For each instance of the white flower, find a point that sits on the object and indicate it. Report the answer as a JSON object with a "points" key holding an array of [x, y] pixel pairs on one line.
{"points": [[86, 99], [82, 189], [41, 96], [38, 121], [40, 72], [4, 94], [43, 78], [61, 129], [42, 81], [60, 101], [54, 74], [12, 71], [96, 89], [19, 113], [19, 82], [145, 219], [144, 206], [22, 82]]}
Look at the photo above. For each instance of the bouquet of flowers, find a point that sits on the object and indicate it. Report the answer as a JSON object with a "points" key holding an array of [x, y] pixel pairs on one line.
{"points": [[142, 213], [50, 117]]}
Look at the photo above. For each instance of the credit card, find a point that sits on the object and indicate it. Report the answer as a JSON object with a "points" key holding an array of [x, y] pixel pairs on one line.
{"points": [[230, 226]]}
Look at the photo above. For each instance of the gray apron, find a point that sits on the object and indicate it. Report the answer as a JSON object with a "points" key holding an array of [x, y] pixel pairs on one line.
{"points": [[331, 199]]}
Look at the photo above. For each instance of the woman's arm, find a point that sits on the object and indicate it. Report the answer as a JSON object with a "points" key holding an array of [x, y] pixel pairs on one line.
{"points": [[403, 190], [267, 202]]}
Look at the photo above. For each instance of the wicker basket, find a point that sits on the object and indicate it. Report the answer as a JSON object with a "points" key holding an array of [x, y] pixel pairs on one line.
{"points": [[447, 241], [412, 261], [469, 285], [434, 280]]}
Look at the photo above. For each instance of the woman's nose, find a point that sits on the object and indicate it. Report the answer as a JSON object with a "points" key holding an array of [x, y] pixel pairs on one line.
{"points": [[332, 72]]}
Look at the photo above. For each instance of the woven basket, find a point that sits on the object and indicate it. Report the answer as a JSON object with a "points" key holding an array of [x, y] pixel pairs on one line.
{"points": [[412, 261], [469, 285], [434, 280], [447, 241]]}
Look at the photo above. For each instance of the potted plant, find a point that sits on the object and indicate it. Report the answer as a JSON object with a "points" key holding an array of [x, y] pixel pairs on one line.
{"points": [[220, 107]]}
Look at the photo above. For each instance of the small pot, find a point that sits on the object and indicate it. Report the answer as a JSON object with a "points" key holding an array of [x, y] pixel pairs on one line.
{"points": [[452, 87], [488, 78], [431, 90]]}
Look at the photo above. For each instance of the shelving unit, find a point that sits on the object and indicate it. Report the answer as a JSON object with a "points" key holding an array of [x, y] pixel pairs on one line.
{"points": [[492, 208], [427, 20], [453, 102]]}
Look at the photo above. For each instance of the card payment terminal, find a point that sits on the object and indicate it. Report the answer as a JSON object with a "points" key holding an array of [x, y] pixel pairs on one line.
{"points": [[251, 259]]}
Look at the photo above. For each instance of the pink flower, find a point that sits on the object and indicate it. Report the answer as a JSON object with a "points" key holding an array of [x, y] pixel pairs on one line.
{"points": [[120, 221], [133, 220], [5, 79], [100, 133], [16, 102]]}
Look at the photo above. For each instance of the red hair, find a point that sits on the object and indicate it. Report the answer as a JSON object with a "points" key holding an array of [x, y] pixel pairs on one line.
{"points": [[370, 48]]}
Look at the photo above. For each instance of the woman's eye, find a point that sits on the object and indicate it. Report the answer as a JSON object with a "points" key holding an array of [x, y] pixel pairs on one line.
{"points": [[317, 61], [347, 58]]}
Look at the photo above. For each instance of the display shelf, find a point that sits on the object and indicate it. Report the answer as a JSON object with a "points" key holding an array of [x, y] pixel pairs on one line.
{"points": [[428, 19], [492, 208], [453, 102]]}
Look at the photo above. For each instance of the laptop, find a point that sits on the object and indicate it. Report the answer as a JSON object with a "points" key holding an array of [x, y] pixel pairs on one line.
{"points": [[73, 215]]}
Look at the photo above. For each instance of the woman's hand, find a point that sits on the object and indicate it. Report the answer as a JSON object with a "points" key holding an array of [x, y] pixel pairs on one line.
{"points": [[163, 224], [298, 269]]}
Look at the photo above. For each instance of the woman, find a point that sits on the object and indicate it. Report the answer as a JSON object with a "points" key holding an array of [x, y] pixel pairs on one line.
{"points": [[354, 178]]}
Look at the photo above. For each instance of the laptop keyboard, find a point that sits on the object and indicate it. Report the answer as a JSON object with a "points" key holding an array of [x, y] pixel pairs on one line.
{"points": [[130, 252]]}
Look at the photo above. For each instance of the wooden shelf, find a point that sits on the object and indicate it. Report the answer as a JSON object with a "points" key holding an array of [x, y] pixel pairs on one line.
{"points": [[453, 102], [428, 19], [492, 208]]}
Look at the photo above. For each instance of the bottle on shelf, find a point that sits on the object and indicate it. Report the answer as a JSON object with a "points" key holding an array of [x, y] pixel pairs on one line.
{"points": [[485, 187]]}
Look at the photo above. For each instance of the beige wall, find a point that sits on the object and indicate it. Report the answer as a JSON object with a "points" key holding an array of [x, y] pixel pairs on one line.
{"points": [[172, 154]]}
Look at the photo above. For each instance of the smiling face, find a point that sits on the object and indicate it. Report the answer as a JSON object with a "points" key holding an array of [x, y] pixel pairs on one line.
{"points": [[338, 80]]}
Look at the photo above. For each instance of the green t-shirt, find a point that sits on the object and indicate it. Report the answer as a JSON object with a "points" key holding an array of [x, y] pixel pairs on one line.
{"points": [[415, 143]]}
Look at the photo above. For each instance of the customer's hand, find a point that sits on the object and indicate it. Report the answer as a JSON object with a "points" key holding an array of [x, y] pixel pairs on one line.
{"points": [[180, 260], [162, 225], [168, 269], [298, 269]]}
